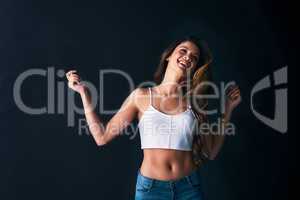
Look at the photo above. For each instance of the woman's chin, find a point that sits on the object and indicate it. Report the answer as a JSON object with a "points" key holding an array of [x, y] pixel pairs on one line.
{"points": [[182, 67]]}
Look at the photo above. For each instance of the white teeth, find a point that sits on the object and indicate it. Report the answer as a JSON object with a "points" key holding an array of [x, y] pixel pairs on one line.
{"points": [[183, 63]]}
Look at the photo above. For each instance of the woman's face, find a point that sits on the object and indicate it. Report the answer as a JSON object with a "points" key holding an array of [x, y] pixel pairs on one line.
{"points": [[184, 58]]}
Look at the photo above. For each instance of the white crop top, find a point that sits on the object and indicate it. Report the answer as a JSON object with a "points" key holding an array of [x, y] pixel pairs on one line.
{"points": [[160, 130]]}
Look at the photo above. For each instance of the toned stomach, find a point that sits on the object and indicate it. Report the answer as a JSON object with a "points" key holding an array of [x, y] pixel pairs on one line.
{"points": [[167, 164]]}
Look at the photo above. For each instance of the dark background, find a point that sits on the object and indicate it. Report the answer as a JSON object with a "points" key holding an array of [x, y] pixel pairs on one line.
{"points": [[42, 158]]}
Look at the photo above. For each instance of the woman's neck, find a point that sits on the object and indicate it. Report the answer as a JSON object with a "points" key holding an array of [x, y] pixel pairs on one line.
{"points": [[170, 86]]}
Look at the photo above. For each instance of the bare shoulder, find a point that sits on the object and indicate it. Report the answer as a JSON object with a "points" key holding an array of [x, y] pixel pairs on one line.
{"points": [[140, 94], [141, 91], [141, 98]]}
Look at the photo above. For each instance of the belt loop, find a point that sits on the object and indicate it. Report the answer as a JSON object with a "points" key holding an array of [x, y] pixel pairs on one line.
{"points": [[152, 183], [188, 179], [171, 185]]}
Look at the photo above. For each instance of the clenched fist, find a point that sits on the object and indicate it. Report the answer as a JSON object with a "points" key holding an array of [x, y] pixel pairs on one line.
{"points": [[74, 81], [234, 98]]}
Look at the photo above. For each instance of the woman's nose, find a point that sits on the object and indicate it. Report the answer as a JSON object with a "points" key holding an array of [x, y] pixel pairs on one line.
{"points": [[186, 57]]}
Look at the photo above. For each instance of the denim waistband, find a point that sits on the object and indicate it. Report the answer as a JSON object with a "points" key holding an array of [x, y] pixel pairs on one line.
{"points": [[193, 178]]}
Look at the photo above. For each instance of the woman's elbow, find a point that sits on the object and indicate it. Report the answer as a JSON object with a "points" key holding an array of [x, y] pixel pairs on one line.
{"points": [[212, 157], [100, 141], [100, 144], [213, 154]]}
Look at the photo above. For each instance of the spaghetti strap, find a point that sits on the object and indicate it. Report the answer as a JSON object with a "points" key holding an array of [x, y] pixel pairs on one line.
{"points": [[150, 96], [189, 105]]}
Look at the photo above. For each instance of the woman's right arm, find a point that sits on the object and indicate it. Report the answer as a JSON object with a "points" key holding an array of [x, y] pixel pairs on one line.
{"points": [[214, 142], [101, 133]]}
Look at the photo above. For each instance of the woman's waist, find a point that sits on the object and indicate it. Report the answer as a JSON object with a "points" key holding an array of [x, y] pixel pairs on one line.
{"points": [[164, 165], [178, 184]]}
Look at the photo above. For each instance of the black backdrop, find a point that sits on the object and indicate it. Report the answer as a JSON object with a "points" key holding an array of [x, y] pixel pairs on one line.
{"points": [[42, 158]]}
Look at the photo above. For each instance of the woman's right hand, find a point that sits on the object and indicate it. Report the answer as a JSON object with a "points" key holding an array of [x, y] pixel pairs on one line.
{"points": [[74, 82]]}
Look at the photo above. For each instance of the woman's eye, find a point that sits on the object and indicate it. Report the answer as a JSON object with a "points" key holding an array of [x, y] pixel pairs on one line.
{"points": [[182, 51]]}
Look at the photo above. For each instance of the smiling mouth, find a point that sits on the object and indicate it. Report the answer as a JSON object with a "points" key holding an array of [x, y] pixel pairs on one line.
{"points": [[183, 65]]}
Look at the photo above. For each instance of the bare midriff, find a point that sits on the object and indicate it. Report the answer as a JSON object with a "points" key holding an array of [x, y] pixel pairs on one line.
{"points": [[167, 164]]}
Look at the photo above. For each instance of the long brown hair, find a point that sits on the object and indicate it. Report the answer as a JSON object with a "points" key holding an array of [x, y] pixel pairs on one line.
{"points": [[201, 74]]}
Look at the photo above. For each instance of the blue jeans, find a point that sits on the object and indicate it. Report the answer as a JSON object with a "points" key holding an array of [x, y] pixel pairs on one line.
{"points": [[185, 188]]}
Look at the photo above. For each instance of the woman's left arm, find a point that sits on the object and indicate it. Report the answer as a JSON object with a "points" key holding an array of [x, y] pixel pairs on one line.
{"points": [[233, 99]]}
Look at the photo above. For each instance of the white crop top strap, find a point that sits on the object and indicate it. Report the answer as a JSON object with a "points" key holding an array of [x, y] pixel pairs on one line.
{"points": [[150, 93], [161, 130]]}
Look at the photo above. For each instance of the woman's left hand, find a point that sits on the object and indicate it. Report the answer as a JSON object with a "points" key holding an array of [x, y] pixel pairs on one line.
{"points": [[233, 98]]}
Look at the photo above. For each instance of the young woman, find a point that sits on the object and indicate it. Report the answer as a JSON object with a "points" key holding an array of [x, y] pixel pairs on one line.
{"points": [[169, 117]]}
